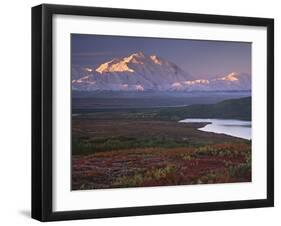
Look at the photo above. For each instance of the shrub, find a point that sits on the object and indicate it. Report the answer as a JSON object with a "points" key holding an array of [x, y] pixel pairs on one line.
{"points": [[239, 170]]}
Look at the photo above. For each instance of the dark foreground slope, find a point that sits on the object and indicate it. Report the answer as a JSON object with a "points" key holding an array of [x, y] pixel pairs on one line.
{"points": [[227, 109]]}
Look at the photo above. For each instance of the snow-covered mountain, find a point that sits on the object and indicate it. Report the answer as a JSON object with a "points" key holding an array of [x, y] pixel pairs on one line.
{"points": [[232, 81], [135, 72], [140, 72]]}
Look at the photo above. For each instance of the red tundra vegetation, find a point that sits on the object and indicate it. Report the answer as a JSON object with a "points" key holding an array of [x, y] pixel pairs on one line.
{"points": [[140, 167]]}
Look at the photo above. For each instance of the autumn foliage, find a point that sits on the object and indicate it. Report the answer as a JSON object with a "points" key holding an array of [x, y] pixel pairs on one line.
{"points": [[156, 166]]}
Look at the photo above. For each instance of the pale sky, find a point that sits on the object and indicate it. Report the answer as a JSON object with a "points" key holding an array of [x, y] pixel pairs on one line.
{"points": [[202, 59]]}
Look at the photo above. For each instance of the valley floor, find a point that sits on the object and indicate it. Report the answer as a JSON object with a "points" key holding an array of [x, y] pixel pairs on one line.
{"points": [[153, 153]]}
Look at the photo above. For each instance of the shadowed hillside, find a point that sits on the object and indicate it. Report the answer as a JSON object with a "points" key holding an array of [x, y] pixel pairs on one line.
{"points": [[227, 109]]}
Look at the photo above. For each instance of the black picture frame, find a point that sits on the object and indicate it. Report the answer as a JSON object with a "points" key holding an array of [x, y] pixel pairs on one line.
{"points": [[42, 106]]}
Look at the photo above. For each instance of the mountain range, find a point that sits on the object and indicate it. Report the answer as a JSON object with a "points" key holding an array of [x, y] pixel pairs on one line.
{"points": [[140, 72]]}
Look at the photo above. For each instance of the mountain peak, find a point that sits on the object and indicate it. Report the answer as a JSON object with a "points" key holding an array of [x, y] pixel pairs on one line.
{"points": [[122, 64], [136, 58], [116, 65], [138, 54], [135, 72], [155, 59], [233, 76]]}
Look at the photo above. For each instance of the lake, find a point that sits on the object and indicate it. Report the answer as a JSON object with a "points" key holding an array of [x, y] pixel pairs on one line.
{"points": [[236, 128]]}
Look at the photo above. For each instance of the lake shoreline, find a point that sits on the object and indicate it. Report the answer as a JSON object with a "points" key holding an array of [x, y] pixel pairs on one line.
{"points": [[231, 127]]}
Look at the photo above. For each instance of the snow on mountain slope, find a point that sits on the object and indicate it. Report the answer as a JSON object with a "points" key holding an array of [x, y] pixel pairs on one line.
{"points": [[135, 72], [232, 81], [139, 72]]}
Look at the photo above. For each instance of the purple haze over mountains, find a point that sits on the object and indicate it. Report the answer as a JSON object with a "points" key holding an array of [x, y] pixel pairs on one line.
{"points": [[202, 59], [116, 63]]}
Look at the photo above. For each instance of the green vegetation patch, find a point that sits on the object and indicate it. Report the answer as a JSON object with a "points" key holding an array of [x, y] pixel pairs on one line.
{"points": [[82, 146]]}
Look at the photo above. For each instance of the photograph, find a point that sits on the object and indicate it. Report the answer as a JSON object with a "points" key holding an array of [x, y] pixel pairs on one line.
{"points": [[142, 112], [152, 111]]}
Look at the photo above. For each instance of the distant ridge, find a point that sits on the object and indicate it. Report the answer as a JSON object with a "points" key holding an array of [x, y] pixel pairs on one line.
{"points": [[227, 109]]}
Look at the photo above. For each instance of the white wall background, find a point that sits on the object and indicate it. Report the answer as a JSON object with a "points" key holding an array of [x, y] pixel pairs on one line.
{"points": [[15, 119]]}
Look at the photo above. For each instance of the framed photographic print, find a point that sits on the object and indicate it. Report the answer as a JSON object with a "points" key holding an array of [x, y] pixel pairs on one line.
{"points": [[145, 112]]}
